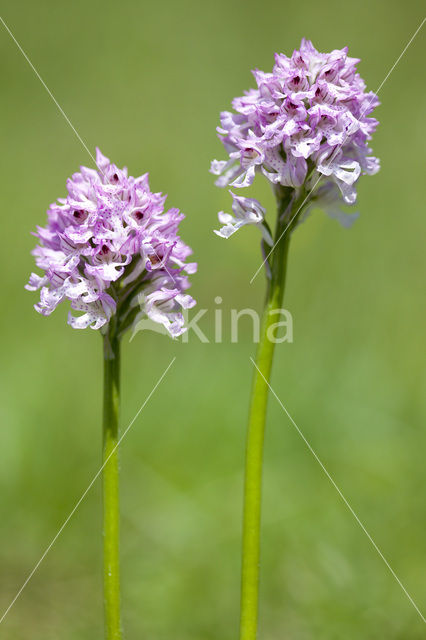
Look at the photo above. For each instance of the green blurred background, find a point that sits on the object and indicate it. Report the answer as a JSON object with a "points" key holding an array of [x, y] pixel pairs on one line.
{"points": [[145, 82]]}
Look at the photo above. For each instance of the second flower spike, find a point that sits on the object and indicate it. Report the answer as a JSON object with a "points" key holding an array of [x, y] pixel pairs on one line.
{"points": [[306, 124]]}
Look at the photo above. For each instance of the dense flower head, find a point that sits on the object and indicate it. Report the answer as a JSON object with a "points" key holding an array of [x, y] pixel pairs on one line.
{"points": [[306, 122], [112, 250]]}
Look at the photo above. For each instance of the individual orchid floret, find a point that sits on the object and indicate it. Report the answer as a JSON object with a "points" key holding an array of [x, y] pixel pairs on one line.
{"points": [[306, 123], [246, 211], [106, 243], [162, 302]]}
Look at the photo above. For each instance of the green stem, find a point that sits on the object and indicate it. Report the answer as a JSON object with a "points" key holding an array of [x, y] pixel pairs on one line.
{"points": [[111, 509], [256, 427]]}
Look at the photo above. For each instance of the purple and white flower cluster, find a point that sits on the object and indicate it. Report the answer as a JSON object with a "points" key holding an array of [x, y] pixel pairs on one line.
{"points": [[307, 122], [111, 249]]}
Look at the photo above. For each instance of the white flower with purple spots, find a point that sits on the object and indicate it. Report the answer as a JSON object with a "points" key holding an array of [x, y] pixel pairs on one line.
{"points": [[246, 211]]}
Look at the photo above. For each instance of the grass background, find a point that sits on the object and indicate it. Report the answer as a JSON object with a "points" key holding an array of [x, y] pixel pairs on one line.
{"points": [[145, 82]]}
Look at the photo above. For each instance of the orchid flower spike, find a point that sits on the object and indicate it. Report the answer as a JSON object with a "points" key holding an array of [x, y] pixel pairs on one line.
{"points": [[306, 128], [112, 250]]}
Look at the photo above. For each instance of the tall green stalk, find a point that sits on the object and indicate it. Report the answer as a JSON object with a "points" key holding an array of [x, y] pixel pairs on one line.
{"points": [[256, 426], [111, 509]]}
